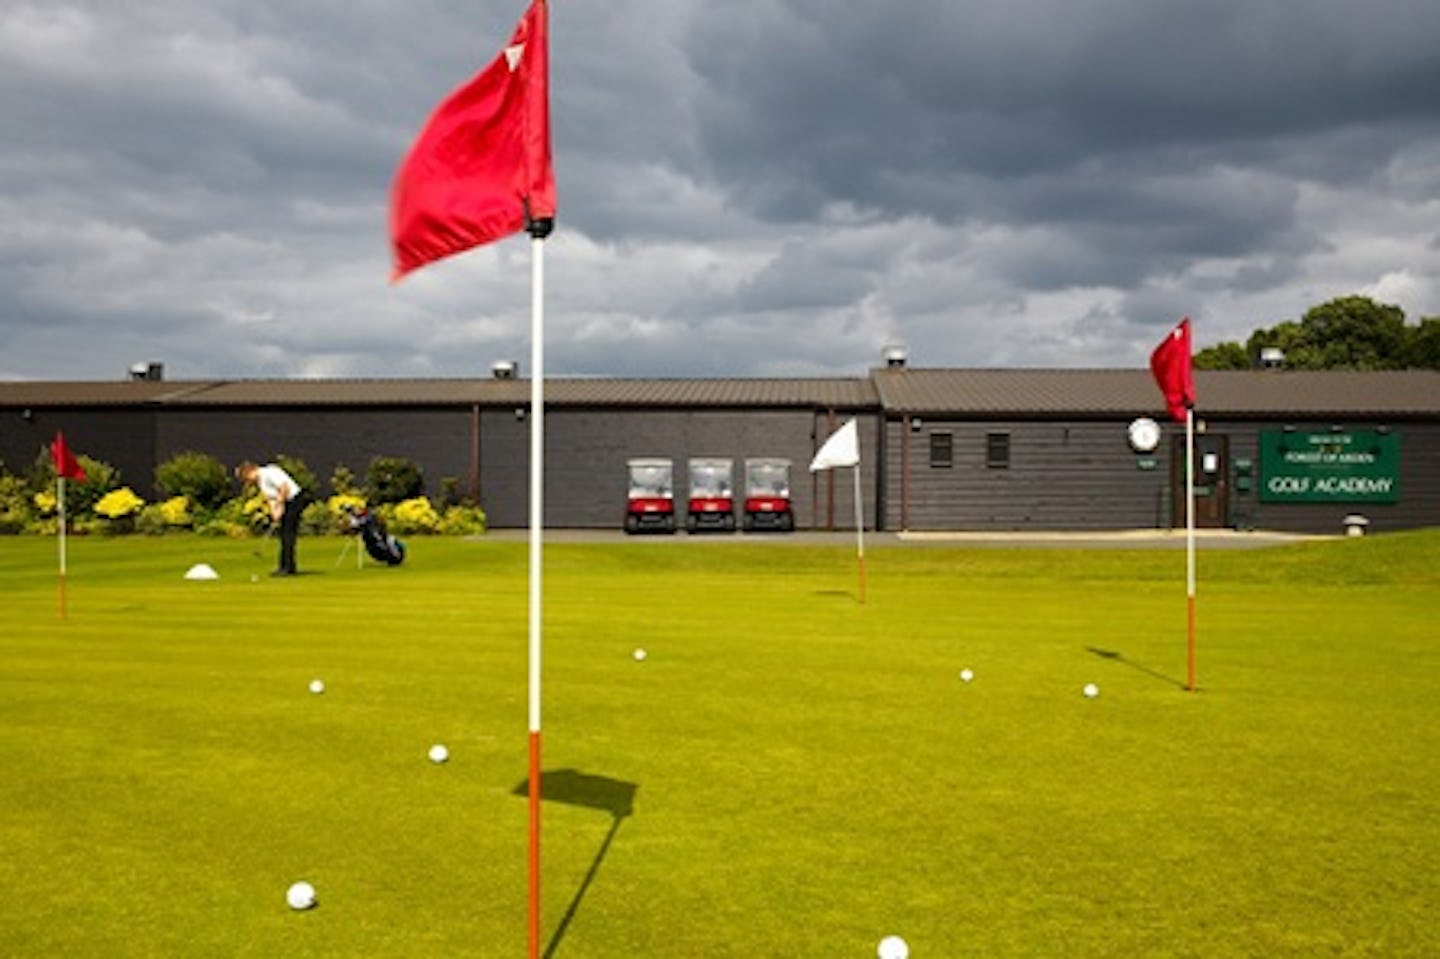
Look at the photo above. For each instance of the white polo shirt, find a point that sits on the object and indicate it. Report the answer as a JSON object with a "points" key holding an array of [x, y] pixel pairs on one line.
{"points": [[275, 484]]}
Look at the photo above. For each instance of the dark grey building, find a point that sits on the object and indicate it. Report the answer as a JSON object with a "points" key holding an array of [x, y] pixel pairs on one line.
{"points": [[1051, 449], [941, 449]]}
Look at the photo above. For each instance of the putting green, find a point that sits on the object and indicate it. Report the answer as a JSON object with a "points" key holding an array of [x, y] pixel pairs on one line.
{"points": [[787, 772]]}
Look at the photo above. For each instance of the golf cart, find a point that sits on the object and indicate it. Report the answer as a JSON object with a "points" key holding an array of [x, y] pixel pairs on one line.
{"points": [[712, 495], [651, 503], [767, 495]]}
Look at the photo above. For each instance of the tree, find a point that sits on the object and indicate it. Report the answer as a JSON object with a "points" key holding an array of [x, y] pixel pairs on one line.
{"points": [[1347, 333], [1356, 333], [1422, 345], [1222, 356]]}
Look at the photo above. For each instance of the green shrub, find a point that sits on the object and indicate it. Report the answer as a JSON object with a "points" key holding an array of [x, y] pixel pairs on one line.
{"points": [[393, 479], [315, 520], [80, 497], [199, 476], [343, 482], [230, 519], [15, 503]]}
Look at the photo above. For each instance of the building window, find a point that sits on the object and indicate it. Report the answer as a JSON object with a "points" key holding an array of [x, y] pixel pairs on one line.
{"points": [[997, 451], [942, 450]]}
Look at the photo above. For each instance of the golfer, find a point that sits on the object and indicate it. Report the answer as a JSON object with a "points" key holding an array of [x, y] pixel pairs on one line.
{"points": [[285, 500]]}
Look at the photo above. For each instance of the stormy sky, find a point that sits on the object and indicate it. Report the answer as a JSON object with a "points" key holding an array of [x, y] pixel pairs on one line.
{"points": [[746, 187]]}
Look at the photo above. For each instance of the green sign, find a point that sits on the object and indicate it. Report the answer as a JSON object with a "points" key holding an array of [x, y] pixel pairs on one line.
{"points": [[1359, 467]]}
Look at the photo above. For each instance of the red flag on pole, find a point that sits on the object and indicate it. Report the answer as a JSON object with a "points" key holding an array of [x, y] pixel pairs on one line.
{"points": [[480, 169], [66, 465], [1170, 363]]}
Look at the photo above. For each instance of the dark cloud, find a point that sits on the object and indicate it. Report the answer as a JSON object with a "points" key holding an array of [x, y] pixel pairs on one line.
{"points": [[763, 186]]}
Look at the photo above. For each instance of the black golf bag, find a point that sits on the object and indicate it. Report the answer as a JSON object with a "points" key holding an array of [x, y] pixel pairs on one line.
{"points": [[381, 546]]}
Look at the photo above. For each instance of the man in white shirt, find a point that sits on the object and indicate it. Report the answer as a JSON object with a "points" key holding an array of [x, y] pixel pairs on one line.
{"points": [[285, 500]]}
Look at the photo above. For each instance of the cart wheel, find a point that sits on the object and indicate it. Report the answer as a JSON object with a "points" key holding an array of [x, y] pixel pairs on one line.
{"points": [[631, 524], [787, 522], [748, 523]]}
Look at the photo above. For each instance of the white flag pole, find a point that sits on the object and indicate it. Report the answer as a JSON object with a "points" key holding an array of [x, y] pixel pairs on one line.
{"points": [[537, 550], [60, 498], [859, 531], [1190, 546]]}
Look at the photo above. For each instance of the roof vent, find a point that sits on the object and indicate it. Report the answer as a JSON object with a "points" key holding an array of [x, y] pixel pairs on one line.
{"points": [[504, 369], [1271, 358], [895, 354], [147, 371]]}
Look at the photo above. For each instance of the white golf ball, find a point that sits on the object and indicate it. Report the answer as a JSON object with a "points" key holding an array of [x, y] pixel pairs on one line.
{"points": [[301, 896], [317, 686], [966, 675], [893, 947], [438, 753], [254, 578], [1091, 690], [639, 655]]}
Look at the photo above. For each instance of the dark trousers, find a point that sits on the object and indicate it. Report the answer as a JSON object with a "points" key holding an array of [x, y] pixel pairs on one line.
{"points": [[290, 531]]}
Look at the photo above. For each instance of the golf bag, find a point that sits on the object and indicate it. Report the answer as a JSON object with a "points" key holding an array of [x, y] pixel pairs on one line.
{"points": [[381, 546]]}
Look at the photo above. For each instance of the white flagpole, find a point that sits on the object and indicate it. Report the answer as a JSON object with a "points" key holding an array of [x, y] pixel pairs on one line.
{"points": [[537, 529], [1190, 546], [60, 497], [859, 531]]}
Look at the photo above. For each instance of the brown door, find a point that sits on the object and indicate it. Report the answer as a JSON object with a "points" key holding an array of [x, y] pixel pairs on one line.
{"points": [[1212, 481]]}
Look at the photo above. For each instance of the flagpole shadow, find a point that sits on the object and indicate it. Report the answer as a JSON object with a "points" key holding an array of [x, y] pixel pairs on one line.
{"points": [[1118, 657], [574, 788]]}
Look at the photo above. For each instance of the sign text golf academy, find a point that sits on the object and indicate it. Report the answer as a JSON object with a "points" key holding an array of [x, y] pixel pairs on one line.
{"points": [[1354, 467]]}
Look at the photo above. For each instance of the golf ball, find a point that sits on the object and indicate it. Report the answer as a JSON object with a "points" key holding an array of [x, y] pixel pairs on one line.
{"points": [[439, 754], [301, 896], [893, 947], [1091, 690], [317, 686], [254, 578], [639, 655], [966, 675]]}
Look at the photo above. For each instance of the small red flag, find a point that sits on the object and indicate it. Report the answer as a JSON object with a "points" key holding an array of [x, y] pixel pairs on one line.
{"points": [[1170, 363], [480, 169], [66, 464]]}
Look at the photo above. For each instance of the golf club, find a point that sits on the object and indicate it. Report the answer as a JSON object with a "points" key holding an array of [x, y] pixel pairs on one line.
{"points": [[259, 551]]}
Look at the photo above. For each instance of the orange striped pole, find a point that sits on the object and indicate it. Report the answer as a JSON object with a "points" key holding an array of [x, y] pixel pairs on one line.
{"points": [[60, 487], [537, 562], [1190, 545]]}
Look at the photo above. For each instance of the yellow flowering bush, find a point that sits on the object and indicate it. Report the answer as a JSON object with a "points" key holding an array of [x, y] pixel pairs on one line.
{"points": [[175, 511], [119, 503], [256, 511], [46, 503], [414, 516], [463, 521]]}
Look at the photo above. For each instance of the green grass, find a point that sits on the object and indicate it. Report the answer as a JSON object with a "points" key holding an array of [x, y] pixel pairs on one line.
{"points": [[809, 774]]}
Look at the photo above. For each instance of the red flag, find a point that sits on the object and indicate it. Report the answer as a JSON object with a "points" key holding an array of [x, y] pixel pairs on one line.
{"points": [[480, 169], [1171, 365], [66, 464]]}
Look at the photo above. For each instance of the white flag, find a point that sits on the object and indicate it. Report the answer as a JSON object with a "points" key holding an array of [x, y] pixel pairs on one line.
{"points": [[841, 449]]}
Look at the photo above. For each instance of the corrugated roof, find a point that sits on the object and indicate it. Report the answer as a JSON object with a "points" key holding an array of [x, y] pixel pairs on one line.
{"points": [[1132, 392], [839, 393], [928, 391]]}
